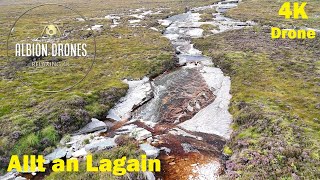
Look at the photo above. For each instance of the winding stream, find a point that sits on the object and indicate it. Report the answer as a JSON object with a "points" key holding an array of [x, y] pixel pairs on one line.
{"points": [[195, 96], [192, 100]]}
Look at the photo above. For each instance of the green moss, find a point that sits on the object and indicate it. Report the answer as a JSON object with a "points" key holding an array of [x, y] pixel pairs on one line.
{"points": [[50, 133], [5, 110], [32, 140], [25, 145], [249, 133], [67, 138], [207, 28], [206, 17], [227, 150], [86, 141]]}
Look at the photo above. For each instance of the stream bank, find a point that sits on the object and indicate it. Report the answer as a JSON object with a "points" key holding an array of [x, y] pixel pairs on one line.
{"points": [[180, 117]]}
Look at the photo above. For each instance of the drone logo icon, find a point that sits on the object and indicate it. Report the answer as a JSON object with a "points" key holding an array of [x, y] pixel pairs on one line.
{"points": [[51, 30]]}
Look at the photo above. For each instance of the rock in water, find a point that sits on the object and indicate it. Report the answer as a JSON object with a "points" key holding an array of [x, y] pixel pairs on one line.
{"points": [[94, 125], [140, 134], [188, 148], [56, 154], [166, 150], [151, 152]]}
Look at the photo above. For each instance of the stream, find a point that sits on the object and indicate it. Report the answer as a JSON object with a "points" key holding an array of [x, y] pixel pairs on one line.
{"points": [[188, 108]]}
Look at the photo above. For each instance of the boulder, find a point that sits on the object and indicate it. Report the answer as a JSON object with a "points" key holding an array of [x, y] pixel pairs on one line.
{"points": [[56, 154], [140, 134], [166, 150], [149, 123], [126, 129], [97, 27], [69, 153], [151, 152], [188, 148], [150, 140], [80, 153], [96, 145], [94, 125]]}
